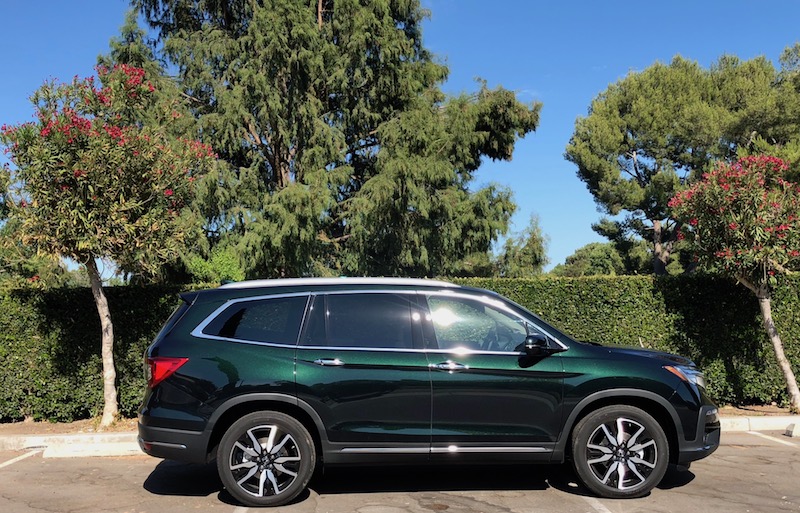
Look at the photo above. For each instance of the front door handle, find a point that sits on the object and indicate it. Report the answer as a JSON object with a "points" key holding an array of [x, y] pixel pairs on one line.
{"points": [[449, 366], [329, 362]]}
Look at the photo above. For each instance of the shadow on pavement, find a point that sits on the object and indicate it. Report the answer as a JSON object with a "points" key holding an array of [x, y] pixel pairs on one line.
{"points": [[175, 478], [417, 479]]}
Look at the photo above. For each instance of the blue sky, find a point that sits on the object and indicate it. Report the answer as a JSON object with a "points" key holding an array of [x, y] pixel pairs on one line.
{"points": [[560, 53]]}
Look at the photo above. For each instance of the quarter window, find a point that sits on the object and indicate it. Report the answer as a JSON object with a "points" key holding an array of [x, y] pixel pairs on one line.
{"points": [[275, 320]]}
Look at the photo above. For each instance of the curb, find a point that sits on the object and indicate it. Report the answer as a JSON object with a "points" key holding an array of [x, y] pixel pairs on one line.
{"points": [[71, 446], [125, 444], [766, 423]]}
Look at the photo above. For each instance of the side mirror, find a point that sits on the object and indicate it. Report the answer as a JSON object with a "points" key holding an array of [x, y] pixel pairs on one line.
{"points": [[537, 345]]}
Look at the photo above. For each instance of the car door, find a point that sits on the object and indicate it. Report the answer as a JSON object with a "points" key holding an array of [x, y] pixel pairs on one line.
{"points": [[362, 367], [489, 397]]}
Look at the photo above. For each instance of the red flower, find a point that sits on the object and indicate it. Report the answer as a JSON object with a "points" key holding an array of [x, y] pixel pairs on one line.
{"points": [[693, 221], [169, 192], [733, 226]]}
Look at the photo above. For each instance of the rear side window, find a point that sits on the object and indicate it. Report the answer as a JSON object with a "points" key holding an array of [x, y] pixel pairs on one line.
{"points": [[274, 320], [368, 320]]}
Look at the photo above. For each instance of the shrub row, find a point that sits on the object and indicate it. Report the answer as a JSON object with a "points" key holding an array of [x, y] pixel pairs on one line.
{"points": [[50, 340]]}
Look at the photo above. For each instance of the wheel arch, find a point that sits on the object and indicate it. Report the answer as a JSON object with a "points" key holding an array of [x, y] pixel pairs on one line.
{"points": [[655, 405], [233, 409]]}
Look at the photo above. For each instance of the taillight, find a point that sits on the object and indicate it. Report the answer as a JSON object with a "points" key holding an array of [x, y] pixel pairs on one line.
{"points": [[160, 368]]}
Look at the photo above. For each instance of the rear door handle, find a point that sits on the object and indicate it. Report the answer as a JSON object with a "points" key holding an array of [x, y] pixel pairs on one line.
{"points": [[329, 362], [449, 366]]}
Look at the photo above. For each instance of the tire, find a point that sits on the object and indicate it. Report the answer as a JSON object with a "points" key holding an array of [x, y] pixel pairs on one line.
{"points": [[266, 459], [607, 463]]}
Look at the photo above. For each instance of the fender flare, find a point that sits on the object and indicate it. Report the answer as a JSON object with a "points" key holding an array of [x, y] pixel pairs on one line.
{"points": [[586, 402]]}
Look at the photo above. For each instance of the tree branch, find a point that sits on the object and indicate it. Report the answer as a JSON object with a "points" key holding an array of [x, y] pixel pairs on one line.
{"points": [[747, 283]]}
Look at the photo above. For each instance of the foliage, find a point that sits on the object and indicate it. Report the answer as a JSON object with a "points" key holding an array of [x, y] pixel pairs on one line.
{"points": [[50, 346], [90, 184], [652, 132], [525, 255], [342, 154], [593, 259], [223, 265], [744, 219]]}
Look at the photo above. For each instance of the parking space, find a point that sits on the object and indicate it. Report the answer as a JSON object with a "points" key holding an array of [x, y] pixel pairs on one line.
{"points": [[749, 473]]}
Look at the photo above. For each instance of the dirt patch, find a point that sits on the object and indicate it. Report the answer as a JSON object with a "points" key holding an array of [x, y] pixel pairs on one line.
{"points": [[62, 428], [759, 410]]}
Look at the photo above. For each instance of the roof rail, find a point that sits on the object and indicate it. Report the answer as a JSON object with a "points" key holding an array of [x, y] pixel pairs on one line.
{"points": [[288, 282]]}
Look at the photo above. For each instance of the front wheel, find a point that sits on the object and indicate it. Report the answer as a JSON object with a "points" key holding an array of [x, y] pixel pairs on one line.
{"points": [[266, 459], [620, 452]]}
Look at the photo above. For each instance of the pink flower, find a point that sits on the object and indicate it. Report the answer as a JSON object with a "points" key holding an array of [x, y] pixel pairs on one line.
{"points": [[169, 192]]}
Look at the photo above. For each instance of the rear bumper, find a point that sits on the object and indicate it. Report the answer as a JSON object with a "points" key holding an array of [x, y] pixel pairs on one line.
{"points": [[706, 437], [173, 444]]}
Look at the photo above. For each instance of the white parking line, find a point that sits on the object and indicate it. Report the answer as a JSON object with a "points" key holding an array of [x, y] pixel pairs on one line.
{"points": [[20, 458], [784, 442], [596, 504], [241, 509]]}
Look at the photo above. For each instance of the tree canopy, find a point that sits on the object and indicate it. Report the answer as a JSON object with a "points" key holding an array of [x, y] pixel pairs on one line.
{"points": [[342, 154], [652, 132]]}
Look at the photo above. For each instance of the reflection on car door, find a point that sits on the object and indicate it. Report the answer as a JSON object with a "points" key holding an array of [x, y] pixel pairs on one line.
{"points": [[489, 398]]}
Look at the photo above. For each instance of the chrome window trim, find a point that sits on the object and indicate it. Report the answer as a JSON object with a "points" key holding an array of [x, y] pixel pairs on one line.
{"points": [[198, 330]]}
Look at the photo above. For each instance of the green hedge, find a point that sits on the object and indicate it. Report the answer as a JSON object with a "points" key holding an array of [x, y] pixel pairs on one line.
{"points": [[50, 349], [50, 340]]}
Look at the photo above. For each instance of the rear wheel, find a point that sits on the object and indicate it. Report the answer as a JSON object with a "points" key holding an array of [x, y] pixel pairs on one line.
{"points": [[620, 452], [266, 459]]}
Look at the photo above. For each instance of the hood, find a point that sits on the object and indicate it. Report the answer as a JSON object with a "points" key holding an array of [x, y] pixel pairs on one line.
{"points": [[650, 353]]}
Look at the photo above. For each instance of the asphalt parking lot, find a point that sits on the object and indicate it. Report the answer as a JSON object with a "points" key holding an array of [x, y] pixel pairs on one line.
{"points": [[751, 472]]}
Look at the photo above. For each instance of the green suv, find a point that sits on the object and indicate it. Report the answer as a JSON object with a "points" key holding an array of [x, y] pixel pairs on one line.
{"points": [[275, 378]]}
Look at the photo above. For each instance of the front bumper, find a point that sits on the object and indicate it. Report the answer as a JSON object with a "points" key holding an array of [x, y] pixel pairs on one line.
{"points": [[706, 438]]}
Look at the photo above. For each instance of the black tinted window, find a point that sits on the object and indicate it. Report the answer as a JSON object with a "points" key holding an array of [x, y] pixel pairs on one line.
{"points": [[264, 320], [364, 320]]}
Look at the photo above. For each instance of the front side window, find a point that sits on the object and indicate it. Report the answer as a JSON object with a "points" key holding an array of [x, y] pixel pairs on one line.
{"points": [[368, 320], [469, 324], [273, 320]]}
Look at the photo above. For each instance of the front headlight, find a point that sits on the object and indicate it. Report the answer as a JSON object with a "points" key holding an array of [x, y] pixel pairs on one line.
{"points": [[691, 375]]}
